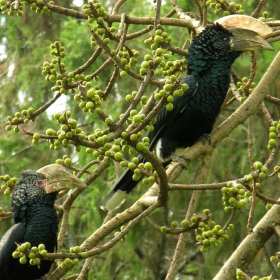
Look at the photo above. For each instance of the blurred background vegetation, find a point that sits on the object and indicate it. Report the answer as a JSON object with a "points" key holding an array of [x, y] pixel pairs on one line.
{"points": [[25, 45]]}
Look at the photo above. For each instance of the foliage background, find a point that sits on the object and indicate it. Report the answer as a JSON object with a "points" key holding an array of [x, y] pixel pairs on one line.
{"points": [[147, 252]]}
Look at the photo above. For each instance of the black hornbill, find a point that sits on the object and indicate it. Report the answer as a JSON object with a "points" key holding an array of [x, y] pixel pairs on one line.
{"points": [[209, 60], [35, 219]]}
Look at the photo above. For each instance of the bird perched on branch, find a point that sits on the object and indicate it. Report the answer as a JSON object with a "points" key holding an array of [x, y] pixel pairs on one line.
{"points": [[35, 219], [209, 60]]}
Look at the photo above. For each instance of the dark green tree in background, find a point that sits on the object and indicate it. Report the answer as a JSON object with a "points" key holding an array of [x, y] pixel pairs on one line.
{"points": [[78, 82]]}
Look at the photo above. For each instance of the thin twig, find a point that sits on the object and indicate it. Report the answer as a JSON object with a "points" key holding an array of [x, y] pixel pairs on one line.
{"points": [[252, 209], [196, 24], [229, 219], [272, 99], [157, 16], [139, 33], [200, 11], [85, 269], [256, 12], [193, 187], [170, 14], [72, 197], [122, 23], [172, 49], [252, 74], [266, 113], [117, 6], [234, 90], [124, 232], [204, 15], [117, 60], [39, 111], [229, 102], [250, 143], [101, 68], [137, 98], [111, 83], [176, 230], [89, 62], [274, 39]]}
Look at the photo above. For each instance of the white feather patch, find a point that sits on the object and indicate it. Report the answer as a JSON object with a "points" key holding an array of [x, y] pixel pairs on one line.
{"points": [[158, 149], [114, 201]]}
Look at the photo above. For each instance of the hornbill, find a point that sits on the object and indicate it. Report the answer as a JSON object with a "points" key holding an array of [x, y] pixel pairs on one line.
{"points": [[35, 219], [209, 59]]}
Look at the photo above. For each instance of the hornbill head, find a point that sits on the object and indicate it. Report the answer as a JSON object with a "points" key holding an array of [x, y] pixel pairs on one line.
{"points": [[248, 33], [224, 41], [34, 185], [58, 178]]}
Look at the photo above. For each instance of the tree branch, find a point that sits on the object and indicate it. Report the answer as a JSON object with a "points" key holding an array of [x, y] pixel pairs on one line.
{"points": [[180, 248], [251, 245]]}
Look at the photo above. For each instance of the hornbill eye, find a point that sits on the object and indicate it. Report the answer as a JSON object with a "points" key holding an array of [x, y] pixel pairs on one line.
{"points": [[40, 183]]}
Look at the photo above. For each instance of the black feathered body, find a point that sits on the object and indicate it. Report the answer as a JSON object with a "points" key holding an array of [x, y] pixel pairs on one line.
{"points": [[194, 113], [42, 219], [209, 61], [36, 222]]}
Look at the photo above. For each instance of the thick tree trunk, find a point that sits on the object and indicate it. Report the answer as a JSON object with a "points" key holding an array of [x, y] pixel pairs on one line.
{"points": [[251, 245]]}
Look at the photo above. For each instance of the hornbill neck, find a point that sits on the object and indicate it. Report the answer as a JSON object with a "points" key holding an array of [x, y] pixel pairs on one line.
{"points": [[213, 79], [42, 223], [201, 65]]}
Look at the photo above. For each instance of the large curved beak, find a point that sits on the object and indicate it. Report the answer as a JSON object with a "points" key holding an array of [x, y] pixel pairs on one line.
{"points": [[248, 40], [248, 33], [58, 178]]}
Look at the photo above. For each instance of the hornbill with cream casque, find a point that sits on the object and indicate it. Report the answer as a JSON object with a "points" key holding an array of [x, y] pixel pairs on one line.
{"points": [[35, 219], [209, 59]]}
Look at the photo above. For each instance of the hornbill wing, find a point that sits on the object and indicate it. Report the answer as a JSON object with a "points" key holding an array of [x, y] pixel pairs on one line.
{"points": [[7, 246], [164, 119], [180, 103]]}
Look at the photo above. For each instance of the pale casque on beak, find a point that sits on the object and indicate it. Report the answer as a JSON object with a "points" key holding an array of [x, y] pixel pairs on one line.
{"points": [[248, 33], [58, 178]]}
